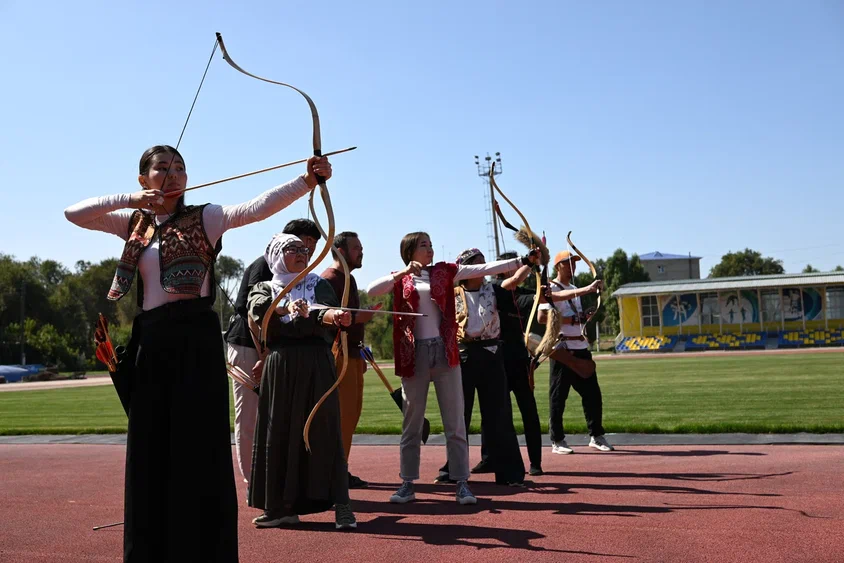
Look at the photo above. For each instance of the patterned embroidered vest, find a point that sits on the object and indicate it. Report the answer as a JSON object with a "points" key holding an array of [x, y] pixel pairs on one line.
{"points": [[406, 298], [185, 253]]}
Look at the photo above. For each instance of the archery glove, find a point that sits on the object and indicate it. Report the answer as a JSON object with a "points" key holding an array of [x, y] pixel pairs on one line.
{"points": [[526, 258]]}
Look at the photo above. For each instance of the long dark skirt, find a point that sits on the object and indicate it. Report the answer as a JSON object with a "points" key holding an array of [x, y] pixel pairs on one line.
{"points": [[284, 475], [181, 501]]}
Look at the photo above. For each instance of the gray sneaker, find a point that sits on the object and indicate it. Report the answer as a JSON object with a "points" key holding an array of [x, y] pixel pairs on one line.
{"points": [[404, 494], [464, 495], [600, 443], [561, 447], [271, 519], [344, 518]]}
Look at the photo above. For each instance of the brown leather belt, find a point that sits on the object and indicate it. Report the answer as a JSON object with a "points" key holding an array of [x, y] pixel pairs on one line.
{"points": [[568, 338]]}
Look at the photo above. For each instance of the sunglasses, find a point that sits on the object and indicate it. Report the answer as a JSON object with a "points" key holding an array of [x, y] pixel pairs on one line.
{"points": [[296, 250]]}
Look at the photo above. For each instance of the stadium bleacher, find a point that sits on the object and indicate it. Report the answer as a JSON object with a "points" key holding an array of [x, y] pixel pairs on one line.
{"points": [[727, 341], [797, 338], [732, 341], [647, 344]]}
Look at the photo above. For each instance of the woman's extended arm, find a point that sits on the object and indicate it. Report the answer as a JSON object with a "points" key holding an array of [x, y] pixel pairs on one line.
{"points": [[516, 279], [470, 271], [220, 218], [381, 286], [566, 294], [101, 214]]}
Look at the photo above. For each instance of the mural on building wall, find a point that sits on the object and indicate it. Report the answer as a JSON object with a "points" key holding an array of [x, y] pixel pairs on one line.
{"points": [[709, 309], [814, 311], [793, 309], [679, 312], [739, 308]]}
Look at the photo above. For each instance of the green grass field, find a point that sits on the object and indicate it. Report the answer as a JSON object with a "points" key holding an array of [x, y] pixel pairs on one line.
{"points": [[758, 394]]}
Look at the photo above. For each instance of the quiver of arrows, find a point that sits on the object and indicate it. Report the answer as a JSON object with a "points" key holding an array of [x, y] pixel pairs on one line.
{"points": [[118, 360], [105, 350]]}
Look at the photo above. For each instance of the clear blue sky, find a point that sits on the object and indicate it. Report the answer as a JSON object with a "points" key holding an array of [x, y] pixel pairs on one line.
{"points": [[698, 127]]}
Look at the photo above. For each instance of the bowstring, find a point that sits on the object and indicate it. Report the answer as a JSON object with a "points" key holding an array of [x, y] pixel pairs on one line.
{"points": [[196, 96], [501, 234], [190, 111], [234, 308], [501, 223]]}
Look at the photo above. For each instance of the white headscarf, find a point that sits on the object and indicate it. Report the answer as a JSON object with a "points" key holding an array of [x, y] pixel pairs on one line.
{"points": [[274, 255]]}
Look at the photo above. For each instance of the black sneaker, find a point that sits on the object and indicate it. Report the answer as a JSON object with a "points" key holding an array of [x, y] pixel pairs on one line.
{"points": [[519, 484], [344, 518], [444, 478], [483, 467], [535, 471], [356, 482]]}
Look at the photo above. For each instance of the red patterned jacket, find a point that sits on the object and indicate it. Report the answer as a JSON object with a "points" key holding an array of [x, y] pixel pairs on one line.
{"points": [[406, 298]]}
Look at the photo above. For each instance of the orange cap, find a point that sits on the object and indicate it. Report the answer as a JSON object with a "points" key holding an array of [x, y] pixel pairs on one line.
{"points": [[565, 255]]}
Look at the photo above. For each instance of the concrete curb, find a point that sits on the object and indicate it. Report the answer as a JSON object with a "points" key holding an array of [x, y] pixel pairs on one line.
{"points": [[736, 439]]}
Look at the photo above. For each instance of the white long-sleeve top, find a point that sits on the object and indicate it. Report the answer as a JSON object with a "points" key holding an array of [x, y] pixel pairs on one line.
{"points": [[109, 214], [567, 311], [429, 326]]}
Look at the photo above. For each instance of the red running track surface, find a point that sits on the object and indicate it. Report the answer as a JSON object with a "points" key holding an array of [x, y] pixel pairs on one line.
{"points": [[678, 503]]}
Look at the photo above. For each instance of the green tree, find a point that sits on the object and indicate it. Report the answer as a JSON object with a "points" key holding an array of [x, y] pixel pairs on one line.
{"points": [[14, 276], [618, 270], [379, 331], [46, 345], [82, 296], [810, 270], [19, 282], [228, 271], [63, 306], [839, 268], [49, 272], [746, 263]]}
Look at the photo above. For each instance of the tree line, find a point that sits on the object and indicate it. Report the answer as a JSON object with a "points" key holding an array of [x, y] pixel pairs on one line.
{"points": [[55, 309], [59, 306]]}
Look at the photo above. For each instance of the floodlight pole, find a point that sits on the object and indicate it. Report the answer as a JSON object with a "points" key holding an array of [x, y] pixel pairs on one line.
{"points": [[483, 172]]}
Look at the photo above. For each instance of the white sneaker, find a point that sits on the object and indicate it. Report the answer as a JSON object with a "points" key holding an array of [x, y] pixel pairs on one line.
{"points": [[561, 448], [600, 443]]}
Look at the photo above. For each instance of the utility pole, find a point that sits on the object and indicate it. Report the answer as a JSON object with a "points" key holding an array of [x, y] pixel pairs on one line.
{"points": [[23, 323], [489, 197]]}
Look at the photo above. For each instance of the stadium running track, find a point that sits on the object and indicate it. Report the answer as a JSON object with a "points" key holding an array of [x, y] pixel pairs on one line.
{"points": [[771, 503]]}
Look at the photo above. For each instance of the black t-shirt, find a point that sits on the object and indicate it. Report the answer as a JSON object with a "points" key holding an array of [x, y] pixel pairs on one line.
{"points": [[513, 312], [238, 332]]}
